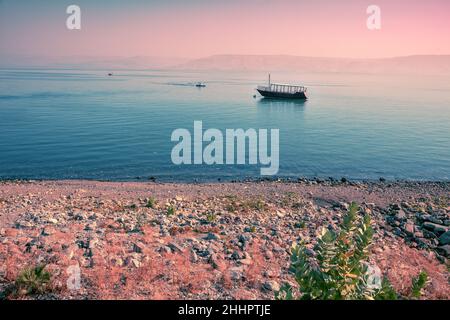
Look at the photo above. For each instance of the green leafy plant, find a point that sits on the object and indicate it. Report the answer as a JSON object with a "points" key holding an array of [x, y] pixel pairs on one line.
{"points": [[170, 211], [211, 217], [300, 225], [33, 280], [151, 202], [418, 284], [257, 204], [231, 207], [338, 266]]}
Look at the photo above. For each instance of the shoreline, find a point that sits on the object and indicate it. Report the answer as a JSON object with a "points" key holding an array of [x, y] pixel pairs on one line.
{"points": [[329, 180], [223, 240]]}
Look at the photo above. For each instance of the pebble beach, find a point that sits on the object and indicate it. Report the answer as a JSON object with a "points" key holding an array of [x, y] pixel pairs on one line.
{"points": [[150, 240]]}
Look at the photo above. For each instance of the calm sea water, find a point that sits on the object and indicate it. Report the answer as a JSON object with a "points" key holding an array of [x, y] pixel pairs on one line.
{"points": [[58, 124]]}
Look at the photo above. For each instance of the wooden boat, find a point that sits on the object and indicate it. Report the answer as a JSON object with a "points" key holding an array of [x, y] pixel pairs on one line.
{"points": [[285, 91]]}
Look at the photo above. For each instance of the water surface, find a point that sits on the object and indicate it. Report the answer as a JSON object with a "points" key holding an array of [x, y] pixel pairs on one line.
{"points": [[77, 124]]}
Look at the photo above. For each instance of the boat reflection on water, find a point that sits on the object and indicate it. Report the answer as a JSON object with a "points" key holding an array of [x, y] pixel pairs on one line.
{"points": [[280, 104]]}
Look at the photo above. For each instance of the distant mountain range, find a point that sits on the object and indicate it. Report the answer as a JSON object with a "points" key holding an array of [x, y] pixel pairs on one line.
{"points": [[88, 62], [415, 64]]}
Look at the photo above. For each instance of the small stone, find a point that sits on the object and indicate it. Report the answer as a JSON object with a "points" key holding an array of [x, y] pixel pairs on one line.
{"points": [[444, 250], [211, 236], [116, 261], [437, 228], [280, 214], [268, 254], [444, 239], [47, 231], [194, 257], [175, 247], [165, 249], [137, 248], [24, 224], [236, 274], [235, 255], [344, 205], [425, 217], [247, 261], [214, 261], [135, 263], [401, 215], [435, 220], [271, 285], [79, 216], [409, 229], [418, 234], [90, 226]]}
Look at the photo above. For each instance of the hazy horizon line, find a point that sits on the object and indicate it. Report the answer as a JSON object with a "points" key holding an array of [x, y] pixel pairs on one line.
{"points": [[223, 55]]}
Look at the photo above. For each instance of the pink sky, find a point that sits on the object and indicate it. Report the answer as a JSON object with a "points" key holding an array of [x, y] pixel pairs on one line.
{"points": [[201, 28]]}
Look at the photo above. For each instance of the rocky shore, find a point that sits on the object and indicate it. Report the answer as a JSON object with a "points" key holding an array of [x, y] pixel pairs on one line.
{"points": [[136, 240]]}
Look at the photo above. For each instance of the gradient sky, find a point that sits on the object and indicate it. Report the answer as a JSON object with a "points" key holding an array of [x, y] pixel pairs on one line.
{"points": [[198, 28]]}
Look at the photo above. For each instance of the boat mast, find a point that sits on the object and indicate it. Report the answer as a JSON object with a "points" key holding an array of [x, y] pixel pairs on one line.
{"points": [[269, 80]]}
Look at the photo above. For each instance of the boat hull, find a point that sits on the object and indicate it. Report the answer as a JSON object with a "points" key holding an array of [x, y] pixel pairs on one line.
{"points": [[282, 95]]}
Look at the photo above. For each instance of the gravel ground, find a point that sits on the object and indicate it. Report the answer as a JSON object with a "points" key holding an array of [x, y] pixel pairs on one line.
{"points": [[209, 241]]}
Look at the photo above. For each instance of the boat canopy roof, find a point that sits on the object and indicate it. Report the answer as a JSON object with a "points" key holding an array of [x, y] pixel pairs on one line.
{"points": [[278, 87]]}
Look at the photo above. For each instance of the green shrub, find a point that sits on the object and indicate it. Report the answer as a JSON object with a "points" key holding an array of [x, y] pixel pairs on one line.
{"points": [[300, 225], [418, 284], [151, 202], [33, 280], [211, 217], [339, 269], [170, 211]]}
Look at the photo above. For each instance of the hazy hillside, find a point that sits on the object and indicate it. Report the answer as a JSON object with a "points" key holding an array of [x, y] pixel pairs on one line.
{"points": [[409, 64], [418, 64], [86, 62]]}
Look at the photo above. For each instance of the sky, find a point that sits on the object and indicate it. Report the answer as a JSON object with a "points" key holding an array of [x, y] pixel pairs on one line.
{"points": [[200, 28]]}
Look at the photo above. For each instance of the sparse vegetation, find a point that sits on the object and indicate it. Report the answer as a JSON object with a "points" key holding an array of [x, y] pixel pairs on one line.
{"points": [[338, 267], [170, 211], [259, 205], [248, 204], [418, 284], [151, 202], [211, 217], [33, 280], [141, 220], [231, 207], [289, 199], [300, 224]]}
